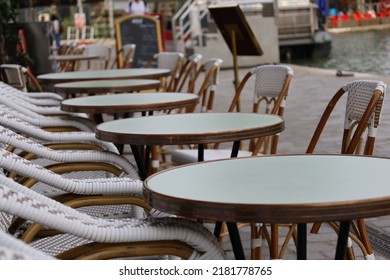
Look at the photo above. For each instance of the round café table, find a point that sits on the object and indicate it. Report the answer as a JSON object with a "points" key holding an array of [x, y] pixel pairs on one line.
{"points": [[194, 128], [276, 189], [72, 58], [129, 103], [105, 86], [109, 74]]}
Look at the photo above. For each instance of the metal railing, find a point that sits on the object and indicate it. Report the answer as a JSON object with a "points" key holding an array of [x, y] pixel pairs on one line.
{"points": [[186, 24]]}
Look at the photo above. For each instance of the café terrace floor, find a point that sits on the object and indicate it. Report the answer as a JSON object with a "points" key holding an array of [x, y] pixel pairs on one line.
{"points": [[310, 91]]}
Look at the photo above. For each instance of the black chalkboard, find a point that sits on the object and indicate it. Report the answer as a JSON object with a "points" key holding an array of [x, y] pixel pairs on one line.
{"points": [[143, 31]]}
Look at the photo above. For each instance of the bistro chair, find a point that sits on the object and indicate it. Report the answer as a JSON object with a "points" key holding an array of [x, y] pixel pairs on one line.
{"points": [[128, 52], [172, 61], [19, 77], [206, 92], [47, 122], [43, 112], [188, 73], [104, 52], [30, 149], [78, 162], [83, 181], [71, 48], [35, 98], [361, 121], [271, 85], [83, 138], [362, 115], [87, 237]]}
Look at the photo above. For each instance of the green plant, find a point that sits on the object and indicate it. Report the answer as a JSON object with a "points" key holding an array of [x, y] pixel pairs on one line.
{"points": [[9, 37], [7, 19]]}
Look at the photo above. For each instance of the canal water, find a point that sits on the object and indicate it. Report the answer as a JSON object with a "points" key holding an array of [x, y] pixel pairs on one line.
{"points": [[360, 51]]}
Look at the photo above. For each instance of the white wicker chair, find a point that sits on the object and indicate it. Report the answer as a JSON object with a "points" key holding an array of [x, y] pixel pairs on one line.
{"points": [[271, 85], [29, 110], [90, 191], [47, 106], [18, 125], [49, 123], [36, 150], [88, 237], [90, 186], [363, 110], [37, 98], [104, 53], [172, 61]]}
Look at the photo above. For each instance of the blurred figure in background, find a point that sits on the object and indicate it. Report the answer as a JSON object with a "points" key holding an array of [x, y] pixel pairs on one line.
{"points": [[55, 31], [137, 7]]}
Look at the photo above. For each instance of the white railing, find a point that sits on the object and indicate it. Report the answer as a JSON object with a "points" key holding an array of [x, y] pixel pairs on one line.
{"points": [[186, 24], [84, 33]]}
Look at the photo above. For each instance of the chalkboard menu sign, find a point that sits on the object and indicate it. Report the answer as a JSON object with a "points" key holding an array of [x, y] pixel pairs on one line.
{"points": [[143, 31]]}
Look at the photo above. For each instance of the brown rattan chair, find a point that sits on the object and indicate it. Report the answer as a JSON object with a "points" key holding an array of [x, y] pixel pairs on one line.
{"points": [[188, 73], [363, 110], [362, 114], [128, 52], [271, 85], [206, 92], [104, 52], [172, 61]]}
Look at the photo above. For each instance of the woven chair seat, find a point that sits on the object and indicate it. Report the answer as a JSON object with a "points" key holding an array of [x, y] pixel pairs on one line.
{"points": [[185, 156], [37, 98], [14, 249]]}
